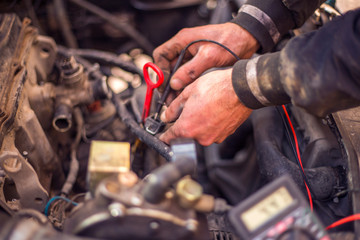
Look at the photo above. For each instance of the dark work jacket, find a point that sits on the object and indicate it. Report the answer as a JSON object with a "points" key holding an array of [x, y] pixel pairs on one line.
{"points": [[268, 20], [318, 71]]}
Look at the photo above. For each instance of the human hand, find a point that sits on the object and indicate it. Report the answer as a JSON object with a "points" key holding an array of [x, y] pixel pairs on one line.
{"points": [[208, 110], [203, 55]]}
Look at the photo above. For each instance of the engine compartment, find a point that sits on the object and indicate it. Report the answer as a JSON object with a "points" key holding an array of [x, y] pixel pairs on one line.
{"points": [[72, 89]]}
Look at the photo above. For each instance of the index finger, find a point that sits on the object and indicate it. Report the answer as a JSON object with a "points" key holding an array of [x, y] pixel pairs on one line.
{"points": [[166, 54], [170, 134]]}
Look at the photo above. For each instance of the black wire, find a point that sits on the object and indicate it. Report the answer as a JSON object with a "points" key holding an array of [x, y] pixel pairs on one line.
{"points": [[177, 65], [288, 135], [102, 57], [217, 43], [150, 140], [340, 194]]}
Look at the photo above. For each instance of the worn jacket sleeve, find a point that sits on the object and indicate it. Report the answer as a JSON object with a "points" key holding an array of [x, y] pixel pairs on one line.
{"points": [[268, 20], [319, 71]]}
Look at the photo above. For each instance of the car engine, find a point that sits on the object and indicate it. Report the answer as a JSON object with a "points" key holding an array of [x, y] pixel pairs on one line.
{"points": [[77, 163]]}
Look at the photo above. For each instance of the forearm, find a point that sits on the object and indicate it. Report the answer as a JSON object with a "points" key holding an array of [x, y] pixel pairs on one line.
{"points": [[268, 20], [319, 71]]}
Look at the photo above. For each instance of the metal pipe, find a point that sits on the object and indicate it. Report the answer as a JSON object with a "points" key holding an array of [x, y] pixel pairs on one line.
{"points": [[62, 120]]}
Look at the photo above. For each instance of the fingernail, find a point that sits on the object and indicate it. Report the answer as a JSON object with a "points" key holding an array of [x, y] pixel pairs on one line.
{"points": [[176, 84], [163, 117]]}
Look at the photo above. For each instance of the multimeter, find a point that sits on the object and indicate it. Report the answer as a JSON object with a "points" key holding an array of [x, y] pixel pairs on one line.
{"points": [[277, 211]]}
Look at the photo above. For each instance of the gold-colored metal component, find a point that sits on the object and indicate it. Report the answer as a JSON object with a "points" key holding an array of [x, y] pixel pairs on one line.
{"points": [[107, 158], [188, 192]]}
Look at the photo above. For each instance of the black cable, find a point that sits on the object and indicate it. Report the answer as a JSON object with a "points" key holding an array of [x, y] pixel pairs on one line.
{"points": [[64, 23], [11, 5], [103, 57], [340, 194], [288, 135], [114, 21], [177, 65], [215, 42], [99, 126], [153, 142], [74, 163]]}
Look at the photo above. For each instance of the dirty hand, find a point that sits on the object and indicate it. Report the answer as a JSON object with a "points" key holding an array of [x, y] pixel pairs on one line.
{"points": [[203, 55], [207, 110]]}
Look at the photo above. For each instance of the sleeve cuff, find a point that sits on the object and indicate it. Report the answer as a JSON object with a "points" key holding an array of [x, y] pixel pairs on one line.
{"points": [[257, 82], [267, 21]]}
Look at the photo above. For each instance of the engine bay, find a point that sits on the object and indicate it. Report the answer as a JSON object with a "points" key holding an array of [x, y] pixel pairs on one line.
{"points": [[76, 161]]}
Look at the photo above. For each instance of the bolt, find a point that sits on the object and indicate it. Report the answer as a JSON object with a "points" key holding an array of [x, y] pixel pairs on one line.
{"points": [[191, 225], [136, 201], [69, 65], [154, 225], [25, 153], [151, 178], [117, 209]]}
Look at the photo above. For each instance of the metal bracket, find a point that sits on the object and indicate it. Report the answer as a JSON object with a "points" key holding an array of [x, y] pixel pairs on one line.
{"points": [[32, 194]]}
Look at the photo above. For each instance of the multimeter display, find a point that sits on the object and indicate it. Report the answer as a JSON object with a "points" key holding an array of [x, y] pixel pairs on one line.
{"points": [[267, 208], [277, 210]]}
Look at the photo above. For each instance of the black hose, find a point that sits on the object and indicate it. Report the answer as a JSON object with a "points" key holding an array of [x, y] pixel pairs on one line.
{"points": [[125, 28], [159, 181], [273, 163], [153, 142], [103, 57], [64, 24]]}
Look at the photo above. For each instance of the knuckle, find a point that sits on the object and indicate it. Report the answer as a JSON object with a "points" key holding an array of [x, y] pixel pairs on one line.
{"points": [[186, 130], [183, 32], [192, 74]]}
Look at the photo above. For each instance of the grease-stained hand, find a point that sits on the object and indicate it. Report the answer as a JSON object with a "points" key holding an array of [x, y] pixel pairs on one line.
{"points": [[203, 55], [207, 110]]}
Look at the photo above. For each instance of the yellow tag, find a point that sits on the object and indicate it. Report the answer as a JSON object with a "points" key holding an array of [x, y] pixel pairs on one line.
{"points": [[109, 156]]}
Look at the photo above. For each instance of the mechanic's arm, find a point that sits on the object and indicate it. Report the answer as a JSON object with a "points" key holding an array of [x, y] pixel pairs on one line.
{"points": [[319, 71], [259, 24]]}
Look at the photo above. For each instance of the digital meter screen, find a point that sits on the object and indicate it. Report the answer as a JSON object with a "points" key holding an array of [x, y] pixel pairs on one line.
{"points": [[266, 209]]}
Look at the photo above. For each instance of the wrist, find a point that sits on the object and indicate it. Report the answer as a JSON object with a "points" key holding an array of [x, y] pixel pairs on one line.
{"points": [[247, 43]]}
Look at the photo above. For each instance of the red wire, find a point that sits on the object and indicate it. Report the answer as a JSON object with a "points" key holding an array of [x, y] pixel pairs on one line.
{"points": [[337, 223], [298, 154], [344, 220]]}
